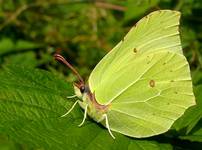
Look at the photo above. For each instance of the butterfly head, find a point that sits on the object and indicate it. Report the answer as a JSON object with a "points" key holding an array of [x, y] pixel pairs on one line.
{"points": [[81, 89]]}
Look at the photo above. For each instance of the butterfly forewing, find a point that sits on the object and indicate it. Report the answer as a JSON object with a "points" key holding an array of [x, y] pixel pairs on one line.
{"points": [[155, 32]]}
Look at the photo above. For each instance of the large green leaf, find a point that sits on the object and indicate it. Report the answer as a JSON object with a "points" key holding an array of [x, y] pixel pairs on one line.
{"points": [[31, 103]]}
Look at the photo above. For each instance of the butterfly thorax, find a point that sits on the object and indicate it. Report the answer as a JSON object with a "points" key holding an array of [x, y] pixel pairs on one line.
{"points": [[94, 109]]}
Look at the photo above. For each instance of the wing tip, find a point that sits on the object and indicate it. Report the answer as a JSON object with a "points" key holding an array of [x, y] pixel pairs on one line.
{"points": [[174, 12]]}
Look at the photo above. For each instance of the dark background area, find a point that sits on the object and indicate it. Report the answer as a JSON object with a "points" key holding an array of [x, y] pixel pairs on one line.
{"points": [[83, 31]]}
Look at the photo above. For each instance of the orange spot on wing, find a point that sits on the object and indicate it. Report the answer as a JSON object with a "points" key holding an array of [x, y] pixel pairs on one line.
{"points": [[135, 50], [152, 83]]}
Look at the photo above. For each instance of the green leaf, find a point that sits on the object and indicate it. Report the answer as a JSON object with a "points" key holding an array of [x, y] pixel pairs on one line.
{"points": [[5, 144], [24, 59], [7, 45], [196, 135], [31, 103], [197, 76], [188, 36], [22, 44], [189, 119], [137, 8], [193, 115]]}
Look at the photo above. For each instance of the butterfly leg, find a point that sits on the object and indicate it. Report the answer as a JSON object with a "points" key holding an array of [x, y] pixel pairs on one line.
{"points": [[73, 96], [70, 109], [107, 125], [85, 115]]}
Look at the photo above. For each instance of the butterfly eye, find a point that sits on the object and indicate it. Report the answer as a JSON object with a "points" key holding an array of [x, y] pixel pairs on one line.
{"points": [[82, 89]]}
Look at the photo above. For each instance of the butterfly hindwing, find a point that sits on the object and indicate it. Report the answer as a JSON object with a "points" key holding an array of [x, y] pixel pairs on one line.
{"points": [[146, 100]]}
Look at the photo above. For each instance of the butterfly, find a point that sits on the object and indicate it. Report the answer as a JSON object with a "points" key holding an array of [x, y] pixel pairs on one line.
{"points": [[143, 84]]}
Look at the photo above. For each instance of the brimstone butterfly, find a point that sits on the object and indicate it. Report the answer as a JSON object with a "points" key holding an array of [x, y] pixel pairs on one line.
{"points": [[143, 84]]}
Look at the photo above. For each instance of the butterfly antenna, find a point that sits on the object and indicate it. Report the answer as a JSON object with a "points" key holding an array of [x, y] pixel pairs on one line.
{"points": [[58, 57]]}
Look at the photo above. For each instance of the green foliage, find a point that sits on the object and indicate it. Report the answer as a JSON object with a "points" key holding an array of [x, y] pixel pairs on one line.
{"points": [[32, 99], [32, 102], [140, 8]]}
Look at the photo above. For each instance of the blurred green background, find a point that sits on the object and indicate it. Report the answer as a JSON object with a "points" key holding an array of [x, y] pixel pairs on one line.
{"points": [[83, 31]]}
